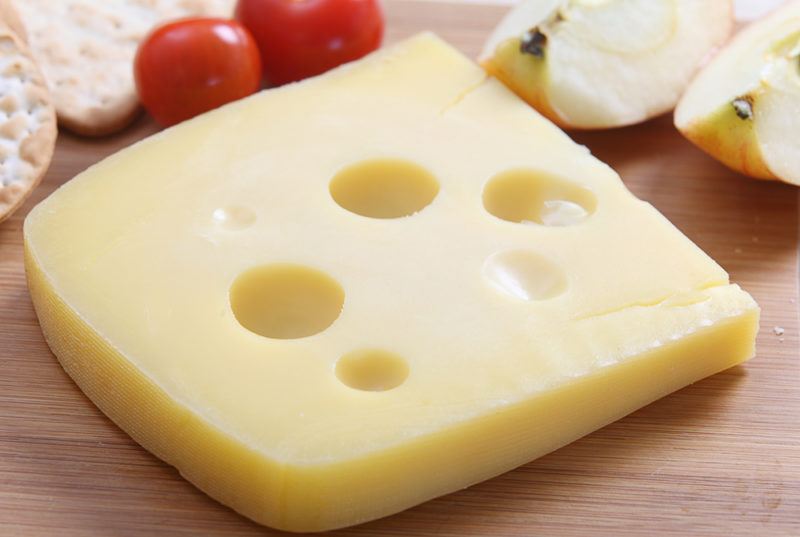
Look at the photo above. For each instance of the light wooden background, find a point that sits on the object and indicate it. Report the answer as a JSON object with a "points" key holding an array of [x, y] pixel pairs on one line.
{"points": [[721, 457]]}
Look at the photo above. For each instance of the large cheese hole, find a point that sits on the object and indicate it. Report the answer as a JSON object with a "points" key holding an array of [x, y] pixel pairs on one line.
{"points": [[528, 196], [286, 301], [372, 370], [525, 275], [384, 188]]}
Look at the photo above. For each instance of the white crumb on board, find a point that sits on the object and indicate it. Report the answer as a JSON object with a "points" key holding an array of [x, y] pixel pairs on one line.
{"points": [[86, 50], [778, 330]]}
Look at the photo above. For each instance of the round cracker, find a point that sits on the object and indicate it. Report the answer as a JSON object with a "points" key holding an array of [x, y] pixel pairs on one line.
{"points": [[27, 123]]}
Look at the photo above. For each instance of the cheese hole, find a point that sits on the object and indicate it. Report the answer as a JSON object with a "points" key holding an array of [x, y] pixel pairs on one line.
{"points": [[234, 217], [528, 196], [525, 275], [285, 301], [371, 370], [384, 188]]}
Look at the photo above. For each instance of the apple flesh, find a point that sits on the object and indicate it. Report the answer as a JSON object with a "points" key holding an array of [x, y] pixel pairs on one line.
{"points": [[744, 107], [604, 63]]}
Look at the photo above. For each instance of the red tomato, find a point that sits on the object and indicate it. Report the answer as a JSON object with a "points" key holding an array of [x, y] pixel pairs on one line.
{"points": [[303, 38], [190, 66]]}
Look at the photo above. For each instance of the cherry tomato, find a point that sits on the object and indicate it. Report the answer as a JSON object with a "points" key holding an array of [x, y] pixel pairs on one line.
{"points": [[190, 66], [303, 38]]}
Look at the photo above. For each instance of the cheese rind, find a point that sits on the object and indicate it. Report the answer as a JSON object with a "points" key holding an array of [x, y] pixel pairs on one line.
{"points": [[629, 310]]}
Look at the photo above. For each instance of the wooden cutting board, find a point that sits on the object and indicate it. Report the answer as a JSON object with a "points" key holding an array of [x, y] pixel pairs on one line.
{"points": [[721, 457]]}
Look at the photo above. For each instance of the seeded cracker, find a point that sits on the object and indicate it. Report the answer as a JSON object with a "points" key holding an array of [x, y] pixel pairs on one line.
{"points": [[27, 123], [86, 48]]}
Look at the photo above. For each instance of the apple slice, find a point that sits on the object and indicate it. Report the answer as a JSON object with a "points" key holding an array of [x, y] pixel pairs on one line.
{"points": [[605, 63], [744, 108]]}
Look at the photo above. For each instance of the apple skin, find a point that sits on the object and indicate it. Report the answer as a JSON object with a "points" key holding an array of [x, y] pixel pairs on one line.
{"points": [[526, 74], [729, 136]]}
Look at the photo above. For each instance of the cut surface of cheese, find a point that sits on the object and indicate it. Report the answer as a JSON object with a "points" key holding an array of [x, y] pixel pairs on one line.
{"points": [[337, 299]]}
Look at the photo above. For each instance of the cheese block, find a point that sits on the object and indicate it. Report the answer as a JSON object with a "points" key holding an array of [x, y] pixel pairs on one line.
{"points": [[337, 299]]}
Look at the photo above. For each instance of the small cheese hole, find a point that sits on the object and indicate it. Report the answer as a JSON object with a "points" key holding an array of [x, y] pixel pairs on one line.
{"points": [[372, 370], [234, 217], [525, 275], [285, 301], [384, 188], [528, 196]]}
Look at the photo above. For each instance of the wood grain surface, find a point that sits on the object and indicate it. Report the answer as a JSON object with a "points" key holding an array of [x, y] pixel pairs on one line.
{"points": [[721, 457]]}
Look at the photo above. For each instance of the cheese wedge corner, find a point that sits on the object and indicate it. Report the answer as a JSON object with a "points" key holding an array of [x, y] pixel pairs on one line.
{"points": [[335, 300]]}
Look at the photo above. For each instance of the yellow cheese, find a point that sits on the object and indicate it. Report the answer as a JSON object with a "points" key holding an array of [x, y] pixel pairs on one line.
{"points": [[335, 300]]}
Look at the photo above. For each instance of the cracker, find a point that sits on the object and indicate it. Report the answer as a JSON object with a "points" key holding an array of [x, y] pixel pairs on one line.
{"points": [[27, 123], [86, 49], [9, 17]]}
